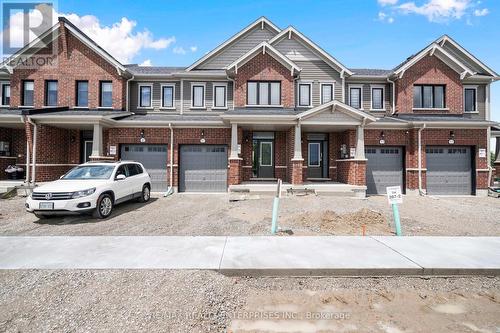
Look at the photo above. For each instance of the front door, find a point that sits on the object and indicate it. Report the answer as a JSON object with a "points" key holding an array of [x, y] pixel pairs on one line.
{"points": [[87, 151], [263, 158], [315, 159]]}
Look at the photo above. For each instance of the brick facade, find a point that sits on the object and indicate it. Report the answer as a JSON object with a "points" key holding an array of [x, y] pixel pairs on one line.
{"points": [[263, 67]]}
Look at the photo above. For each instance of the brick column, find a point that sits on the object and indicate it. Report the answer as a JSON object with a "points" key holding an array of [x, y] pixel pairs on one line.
{"points": [[235, 162], [297, 161], [496, 163]]}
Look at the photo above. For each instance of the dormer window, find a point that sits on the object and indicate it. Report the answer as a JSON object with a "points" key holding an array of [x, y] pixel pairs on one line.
{"points": [[264, 93]]}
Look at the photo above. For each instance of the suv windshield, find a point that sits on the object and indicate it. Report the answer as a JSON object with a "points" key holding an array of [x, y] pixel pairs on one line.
{"points": [[90, 172]]}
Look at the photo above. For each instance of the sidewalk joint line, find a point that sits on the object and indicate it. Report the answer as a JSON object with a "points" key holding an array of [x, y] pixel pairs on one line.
{"points": [[222, 255], [423, 269]]}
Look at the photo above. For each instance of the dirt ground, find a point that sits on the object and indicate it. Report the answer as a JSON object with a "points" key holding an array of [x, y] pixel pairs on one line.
{"points": [[205, 301], [184, 214]]}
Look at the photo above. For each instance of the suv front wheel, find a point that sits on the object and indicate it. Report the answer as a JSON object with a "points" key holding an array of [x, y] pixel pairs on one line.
{"points": [[104, 206]]}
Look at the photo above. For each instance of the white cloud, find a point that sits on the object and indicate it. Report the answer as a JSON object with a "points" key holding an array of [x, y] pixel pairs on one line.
{"points": [[385, 18], [120, 38], [481, 12], [387, 2], [146, 63], [179, 50], [193, 48]]}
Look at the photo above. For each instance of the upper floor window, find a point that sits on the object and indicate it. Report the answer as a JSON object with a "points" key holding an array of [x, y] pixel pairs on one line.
{"points": [[198, 95], [6, 94], [355, 96], [304, 94], [377, 97], [167, 99], [429, 96], [28, 93], [264, 93], [82, 94], [51, 93], [220, 96], [106, 94], [470, 98], [145, 96], [326, 92]]}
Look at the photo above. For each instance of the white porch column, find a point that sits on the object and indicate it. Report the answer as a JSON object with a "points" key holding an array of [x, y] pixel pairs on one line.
{"points": [[497, 150], [97, 141], [234, 142], [360, 143], [297, 149]]}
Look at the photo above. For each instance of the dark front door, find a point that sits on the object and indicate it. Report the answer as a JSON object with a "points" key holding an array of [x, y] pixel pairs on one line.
{"points": [[87, 151], [263, 158]]}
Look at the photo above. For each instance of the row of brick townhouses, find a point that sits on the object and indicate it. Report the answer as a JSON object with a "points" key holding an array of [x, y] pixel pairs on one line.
{"points": [[267, 103]]}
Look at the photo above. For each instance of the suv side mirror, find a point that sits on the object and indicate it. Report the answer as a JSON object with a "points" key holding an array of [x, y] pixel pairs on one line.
{"points": [[120, 177]]}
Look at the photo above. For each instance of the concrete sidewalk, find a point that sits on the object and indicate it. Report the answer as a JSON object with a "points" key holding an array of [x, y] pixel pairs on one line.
{"points": [[263, 255]]}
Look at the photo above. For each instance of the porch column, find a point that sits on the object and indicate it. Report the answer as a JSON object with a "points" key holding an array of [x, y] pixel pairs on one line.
{"points": [[235, 169], [297, 148], [297, 160], [97, 141], [360, 143], [497, 150]]}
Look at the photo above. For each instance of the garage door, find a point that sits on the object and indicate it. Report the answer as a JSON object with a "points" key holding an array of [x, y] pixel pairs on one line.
{"points": [[154, 159], [203, 168], [449, 170], [384, 168]]}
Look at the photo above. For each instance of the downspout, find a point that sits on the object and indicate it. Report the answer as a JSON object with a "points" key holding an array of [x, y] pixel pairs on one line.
{"points": [[170, 189], [420, 190], [27, 179], [342, 76], [393, 96], [127, 93], [35, 134], [488, 136]]}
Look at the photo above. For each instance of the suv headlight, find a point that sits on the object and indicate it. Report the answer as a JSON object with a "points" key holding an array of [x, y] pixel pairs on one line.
{"points": [[83, 193]]}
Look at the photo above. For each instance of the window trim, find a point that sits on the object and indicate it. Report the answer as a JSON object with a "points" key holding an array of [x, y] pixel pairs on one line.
{"points": [[433, 108], [22, 94], [326, 83], [377, 86], [199, 84], [280, 105], [304, 83], [76, 95], [139, 97], [471, 87], [355, 86], [2, 84], [172, 85], [101, 82], [219, 84]]}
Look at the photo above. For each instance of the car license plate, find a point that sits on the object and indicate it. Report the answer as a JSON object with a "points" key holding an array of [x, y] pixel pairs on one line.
{"points": [[46, 205]]}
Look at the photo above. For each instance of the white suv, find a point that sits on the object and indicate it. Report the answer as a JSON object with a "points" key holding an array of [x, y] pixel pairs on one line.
{"points": [[91, 187]]}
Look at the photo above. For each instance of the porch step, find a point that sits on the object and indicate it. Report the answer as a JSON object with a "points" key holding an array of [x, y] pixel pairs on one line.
{"points": [[331, 189]]}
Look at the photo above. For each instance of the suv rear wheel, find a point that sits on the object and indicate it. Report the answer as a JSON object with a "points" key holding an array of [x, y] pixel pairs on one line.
{"points": [[146, 194], [104, 206]]}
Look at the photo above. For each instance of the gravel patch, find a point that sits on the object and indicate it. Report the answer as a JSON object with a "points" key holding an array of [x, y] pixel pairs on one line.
{"points": [[184, 214]]}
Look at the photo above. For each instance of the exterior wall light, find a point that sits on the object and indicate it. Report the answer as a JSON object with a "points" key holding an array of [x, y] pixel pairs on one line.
{"points": [[451, 141], [382, 138], [142, 138], [202, 140]]}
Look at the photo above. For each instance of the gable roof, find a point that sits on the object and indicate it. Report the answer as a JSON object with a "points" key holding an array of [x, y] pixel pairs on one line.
{"points": [[333, 105], [266, 48], [260, 21], [288, 32]]}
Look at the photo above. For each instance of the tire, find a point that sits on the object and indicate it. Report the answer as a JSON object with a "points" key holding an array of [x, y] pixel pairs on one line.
{"points": [[145, 194], [104, 206]]}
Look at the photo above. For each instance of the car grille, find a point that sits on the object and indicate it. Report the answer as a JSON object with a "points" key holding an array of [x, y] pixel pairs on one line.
{"points": [[53, 196]]}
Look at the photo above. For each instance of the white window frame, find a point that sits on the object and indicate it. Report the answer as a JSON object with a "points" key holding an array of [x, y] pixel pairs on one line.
{"points": [[139, 86], [3, 83], [360, 86], [219, 84], [475, 88], [310, 144], [173, 96], [204, 84], [260, 153], [377, 86], [306, 83], [326, 83]]}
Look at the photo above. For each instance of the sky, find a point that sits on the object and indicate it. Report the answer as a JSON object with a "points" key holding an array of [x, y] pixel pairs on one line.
{"points": [[359, 33]]}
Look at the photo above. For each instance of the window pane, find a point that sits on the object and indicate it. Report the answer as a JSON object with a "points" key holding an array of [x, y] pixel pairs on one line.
{"points": [[428, 100], [377, 102], [28, 93], [145, 97], [82, 98], [168, 97], [252, 93], [263, 93], [326, 93], [266, 151], [275, 93], [355, 97], [198, 96], [439, 97], [470, 100], [314, 154], [304, 94], [106, 94], [220, 97], [51, 93], [6, 94], [417, 96]]}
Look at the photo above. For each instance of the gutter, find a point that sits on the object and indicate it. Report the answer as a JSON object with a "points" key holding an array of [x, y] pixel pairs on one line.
{"points": [[420, 190], [170, 189]]}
